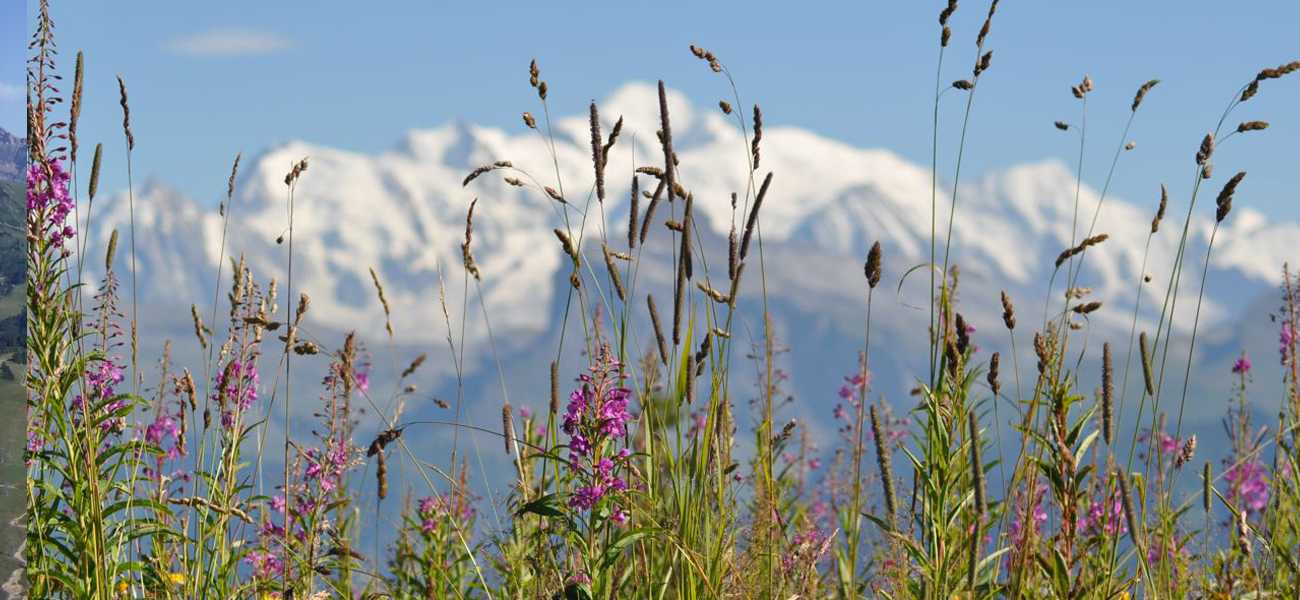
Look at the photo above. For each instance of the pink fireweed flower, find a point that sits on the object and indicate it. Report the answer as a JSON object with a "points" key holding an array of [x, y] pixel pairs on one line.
{"points": [[1287, 340], [595, 418], [1242, 366], [1248, 486], [579, 578], [1105, 517], [236, 389], [1166, 444], [48, 202], [265, 565]]}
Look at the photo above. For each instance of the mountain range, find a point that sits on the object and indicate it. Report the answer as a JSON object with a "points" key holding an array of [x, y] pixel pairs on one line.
{"points": [[402, 212], [13, 156]]}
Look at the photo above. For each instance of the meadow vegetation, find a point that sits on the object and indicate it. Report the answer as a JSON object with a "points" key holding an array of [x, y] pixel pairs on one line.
{"points": [[666, 466]]}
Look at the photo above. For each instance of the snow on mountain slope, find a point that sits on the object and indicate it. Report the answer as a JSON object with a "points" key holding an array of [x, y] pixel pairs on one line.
{"points": [[402, 212]]}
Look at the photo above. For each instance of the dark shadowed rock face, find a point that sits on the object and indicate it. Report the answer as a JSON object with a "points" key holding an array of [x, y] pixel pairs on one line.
{"points": [[13, 156]]}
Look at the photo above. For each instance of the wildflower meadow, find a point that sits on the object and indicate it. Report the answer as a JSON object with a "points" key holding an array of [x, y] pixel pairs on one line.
{"points": [[665, 462]]}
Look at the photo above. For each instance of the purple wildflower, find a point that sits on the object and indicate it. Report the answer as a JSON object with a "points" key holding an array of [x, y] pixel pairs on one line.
{"points": [[48, 202], [1287, 340], [1248, 486]]}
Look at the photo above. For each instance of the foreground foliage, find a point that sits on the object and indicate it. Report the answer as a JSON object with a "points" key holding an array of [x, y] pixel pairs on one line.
{"points": [[649, 476]]}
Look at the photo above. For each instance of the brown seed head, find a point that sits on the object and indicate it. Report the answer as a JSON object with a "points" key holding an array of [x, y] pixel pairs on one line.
{"points": [[1087, 308], [614, 276], [963, 334], [1142, 93], [550, 191], [1186, 454], [977, 465], [1252, 126], [1126, 497], [947, 12], [508, 427], [475, 173], [381, 474], [1206, 150], [984, 63], [1160, 212], [1061, 125], [597, 153], [94, 170], [467, 255], [126, 114], [555, 388], [112, 249], [885, 460], [725, 106], [75, 111], [1107, 395], [1243, 534], [1146, 365], [530, 121], [566, 243], [234, 170], [1008, 312], [962, 84], [1207, 485], [873, 265], [415, 364], [752, 222], [1224, 201], [659, 332], [666, 140], [994, 365]]}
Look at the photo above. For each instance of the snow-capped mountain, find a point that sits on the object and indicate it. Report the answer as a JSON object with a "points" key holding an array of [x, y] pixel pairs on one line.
{"points": [[402, 212]]}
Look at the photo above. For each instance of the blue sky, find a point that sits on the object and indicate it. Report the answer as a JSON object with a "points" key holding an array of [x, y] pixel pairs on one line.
{"points": [[208, 80], [13, 46]]}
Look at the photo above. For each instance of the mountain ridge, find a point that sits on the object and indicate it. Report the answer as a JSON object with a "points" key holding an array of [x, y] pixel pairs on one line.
{"points": [[13, 156], [402, 212]]}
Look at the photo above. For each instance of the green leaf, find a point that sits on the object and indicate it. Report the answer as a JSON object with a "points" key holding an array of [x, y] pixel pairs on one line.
{"points": [[544, 506]]}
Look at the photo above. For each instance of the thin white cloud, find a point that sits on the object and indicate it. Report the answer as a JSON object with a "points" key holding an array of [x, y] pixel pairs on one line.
{"points": [[229, 42], [9, 92]]}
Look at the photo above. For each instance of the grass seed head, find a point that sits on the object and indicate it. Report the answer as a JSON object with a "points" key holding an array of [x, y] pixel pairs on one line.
{"points": [[1147, 379], [126, 114], [994, 367], [94, 170], [1107, 395], [1142, 93], [1008, 312], [1160, 212], [873, 265], [1206, 150]]}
